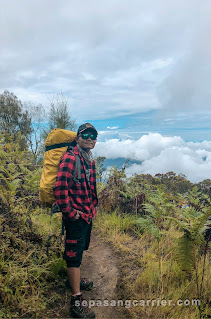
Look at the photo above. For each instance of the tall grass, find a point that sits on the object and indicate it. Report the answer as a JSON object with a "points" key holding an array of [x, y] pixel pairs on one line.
{"points": [[140, 268], [28, 270]]}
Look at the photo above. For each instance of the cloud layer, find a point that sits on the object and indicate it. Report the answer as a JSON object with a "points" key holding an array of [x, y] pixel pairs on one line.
{"points": [[110, 57], [160, 154]]}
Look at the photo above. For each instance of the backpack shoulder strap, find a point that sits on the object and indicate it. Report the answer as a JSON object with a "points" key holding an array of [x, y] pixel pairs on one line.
{"points": [[77, 166]]}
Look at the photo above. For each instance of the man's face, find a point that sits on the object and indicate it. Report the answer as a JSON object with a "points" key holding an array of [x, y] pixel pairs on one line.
{"points": [[86, 144]]}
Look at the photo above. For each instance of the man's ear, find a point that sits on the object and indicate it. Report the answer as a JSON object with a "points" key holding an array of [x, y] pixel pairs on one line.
{"points": [[76, 138]]}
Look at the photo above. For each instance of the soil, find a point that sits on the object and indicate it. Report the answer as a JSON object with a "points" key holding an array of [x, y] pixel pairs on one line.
{"points": [[99, 264], [102, 269]]}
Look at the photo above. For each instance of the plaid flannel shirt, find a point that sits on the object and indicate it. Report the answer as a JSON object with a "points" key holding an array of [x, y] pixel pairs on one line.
{"points": [[72, 196]]}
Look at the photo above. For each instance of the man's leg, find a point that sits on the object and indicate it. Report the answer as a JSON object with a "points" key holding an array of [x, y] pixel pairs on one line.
{"points": [[74, 279], [74, 247], [73, 273]]}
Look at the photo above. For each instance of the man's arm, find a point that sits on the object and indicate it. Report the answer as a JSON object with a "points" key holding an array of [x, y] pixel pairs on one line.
{"points": [[63, 180]]}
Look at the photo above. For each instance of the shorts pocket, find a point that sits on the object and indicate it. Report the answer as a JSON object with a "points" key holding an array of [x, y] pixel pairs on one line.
{"points": [[74, 230], [73, 250]]}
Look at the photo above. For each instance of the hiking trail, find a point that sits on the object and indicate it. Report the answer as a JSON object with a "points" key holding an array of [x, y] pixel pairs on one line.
{"points": [[100, 265]]}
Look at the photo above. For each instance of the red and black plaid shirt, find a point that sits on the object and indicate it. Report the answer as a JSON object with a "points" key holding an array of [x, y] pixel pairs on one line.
{"points": [[72, 196]]}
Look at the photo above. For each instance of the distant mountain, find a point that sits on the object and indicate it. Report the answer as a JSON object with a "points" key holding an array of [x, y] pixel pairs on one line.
{"points": [[119, 162]]}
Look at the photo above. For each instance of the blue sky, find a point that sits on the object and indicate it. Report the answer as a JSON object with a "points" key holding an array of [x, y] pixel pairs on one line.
{"points": [[192, 127], [133, 68]]}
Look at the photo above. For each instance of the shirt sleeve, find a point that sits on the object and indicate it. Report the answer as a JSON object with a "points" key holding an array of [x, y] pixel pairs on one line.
{"points": [[61, 187]]}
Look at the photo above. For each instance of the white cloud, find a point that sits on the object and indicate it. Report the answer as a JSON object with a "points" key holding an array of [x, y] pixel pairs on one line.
{"points": [[113, 57], [144, 148], [88, 76], [113, 127], [160, 154]]}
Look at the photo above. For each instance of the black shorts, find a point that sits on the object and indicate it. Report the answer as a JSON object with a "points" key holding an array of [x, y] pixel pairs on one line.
{"points": [[77, 240]]}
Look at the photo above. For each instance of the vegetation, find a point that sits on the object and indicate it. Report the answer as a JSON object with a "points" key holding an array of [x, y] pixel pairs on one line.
{"points": [[13, 118], [28, 271], [35, 140], [160, 226], [164, 237], [24, 122], [100, 167], [165, 247], [59, 115]]}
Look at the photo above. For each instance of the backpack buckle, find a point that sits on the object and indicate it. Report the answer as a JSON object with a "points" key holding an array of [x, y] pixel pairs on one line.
{"points": [[55, 208]]}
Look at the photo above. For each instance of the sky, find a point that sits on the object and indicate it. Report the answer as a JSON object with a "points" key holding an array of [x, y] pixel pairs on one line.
{"points": [[140, 71]]}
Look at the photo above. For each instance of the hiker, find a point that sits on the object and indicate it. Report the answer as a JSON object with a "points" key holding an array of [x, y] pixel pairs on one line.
{"points": [[77, 198]]}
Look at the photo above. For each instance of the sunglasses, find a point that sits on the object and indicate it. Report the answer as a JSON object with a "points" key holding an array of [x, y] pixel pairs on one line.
{"points": [[85, 136]]}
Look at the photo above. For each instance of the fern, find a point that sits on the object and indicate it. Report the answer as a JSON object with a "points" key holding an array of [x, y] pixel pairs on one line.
{"points": [[147, 225], [184, 253]]}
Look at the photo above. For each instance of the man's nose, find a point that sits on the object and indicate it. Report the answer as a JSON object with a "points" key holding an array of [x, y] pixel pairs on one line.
{"points": [[89, 138]]}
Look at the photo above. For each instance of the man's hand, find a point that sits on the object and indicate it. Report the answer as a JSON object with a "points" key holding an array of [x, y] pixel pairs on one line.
{"points": [[77, 216]]}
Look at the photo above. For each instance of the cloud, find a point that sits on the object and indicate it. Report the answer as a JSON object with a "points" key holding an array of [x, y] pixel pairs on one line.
{"points": [[144, 148], [160, 154], [187, 85], [112, 128], [111, 57]]}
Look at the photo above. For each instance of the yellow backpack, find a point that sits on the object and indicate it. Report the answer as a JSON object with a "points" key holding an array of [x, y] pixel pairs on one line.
{"points": [[56, 145]]}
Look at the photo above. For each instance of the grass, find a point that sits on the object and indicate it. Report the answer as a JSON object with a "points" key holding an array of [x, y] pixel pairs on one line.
{"points": [[28, 274], [139, 263], [46, 224]]}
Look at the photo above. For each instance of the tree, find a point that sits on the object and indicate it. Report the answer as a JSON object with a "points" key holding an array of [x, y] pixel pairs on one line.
{"points": [[205, 186], [34, 139], [13, 118], [59, 115], [100, 167], [174, 183]]}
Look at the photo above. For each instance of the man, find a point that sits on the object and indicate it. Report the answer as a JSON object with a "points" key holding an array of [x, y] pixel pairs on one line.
{"points": [[77, 198]]}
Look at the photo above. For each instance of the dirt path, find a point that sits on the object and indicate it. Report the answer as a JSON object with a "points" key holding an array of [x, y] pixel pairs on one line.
{"points": [[100, 265]]}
